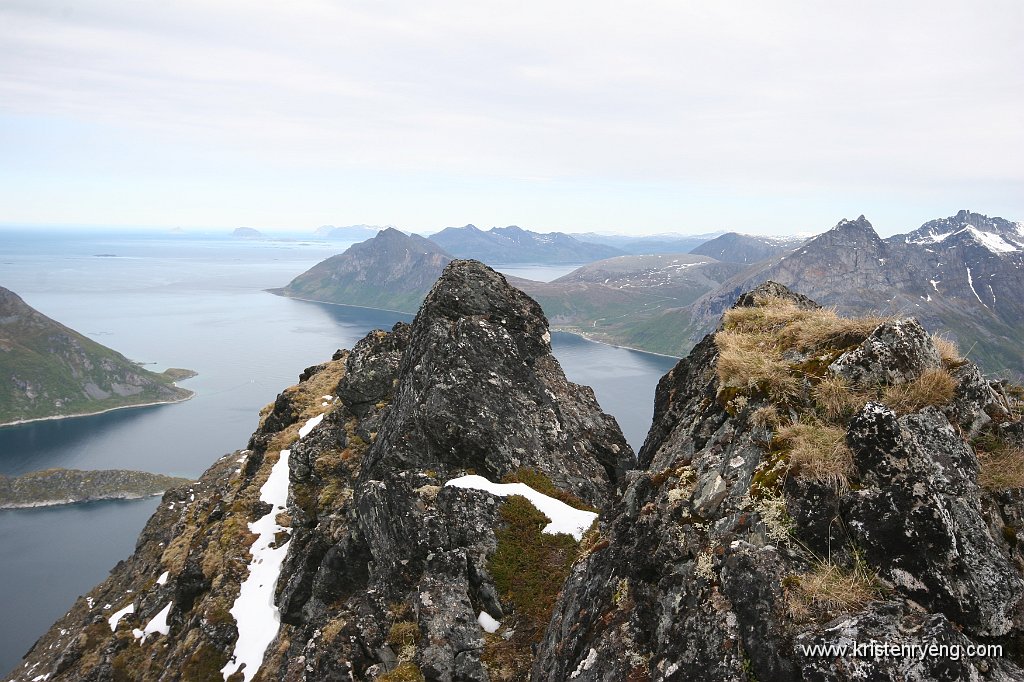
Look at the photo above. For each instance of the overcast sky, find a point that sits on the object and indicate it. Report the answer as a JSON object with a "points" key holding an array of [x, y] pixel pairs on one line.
{"points": [[641, 117]]}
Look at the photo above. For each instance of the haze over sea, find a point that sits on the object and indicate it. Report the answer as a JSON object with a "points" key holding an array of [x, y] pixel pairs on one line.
{"points": [[196, 302]]}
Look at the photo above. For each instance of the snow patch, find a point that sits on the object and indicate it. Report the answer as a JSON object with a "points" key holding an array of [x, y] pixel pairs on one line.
{"points": [[564, 519], [118, 615], [970, 282], [310, 425], [488, 623], [158, 625], [162, 580], [256, 615]]}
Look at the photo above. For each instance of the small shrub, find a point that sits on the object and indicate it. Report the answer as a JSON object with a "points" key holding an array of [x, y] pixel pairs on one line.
{"points": [[933, 387], [404, 672], [818, 451], [403, 633]]}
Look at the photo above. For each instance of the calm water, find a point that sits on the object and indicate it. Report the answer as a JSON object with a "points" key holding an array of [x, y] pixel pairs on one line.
{"points": [[196, 303]]}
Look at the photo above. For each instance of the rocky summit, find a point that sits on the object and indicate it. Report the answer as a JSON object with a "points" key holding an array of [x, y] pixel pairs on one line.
{"points": [[440, 503]]}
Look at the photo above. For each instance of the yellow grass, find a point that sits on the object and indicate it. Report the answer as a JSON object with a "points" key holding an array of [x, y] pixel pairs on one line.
{"points": [[1001, 467], [933, 387], [830, 590], [818, 451], [836, 398], [948, 351]]}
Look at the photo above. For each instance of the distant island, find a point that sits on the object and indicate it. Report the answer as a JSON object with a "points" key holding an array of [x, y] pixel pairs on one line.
{"points": [[350, 233], [68, 486], [50, 371], [247, 233]]}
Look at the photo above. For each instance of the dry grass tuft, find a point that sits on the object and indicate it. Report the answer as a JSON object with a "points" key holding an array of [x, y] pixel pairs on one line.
{"points": [[754, 361], [800, 329], [766, 417], [948, 351], [837, 399], [933, 387], [754, 340], [1000, 466], [818, 451], [829, 590]]}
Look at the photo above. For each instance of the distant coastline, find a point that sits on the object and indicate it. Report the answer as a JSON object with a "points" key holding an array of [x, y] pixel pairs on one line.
{"points": [[18, 422], [280, 292], [61, 503]]}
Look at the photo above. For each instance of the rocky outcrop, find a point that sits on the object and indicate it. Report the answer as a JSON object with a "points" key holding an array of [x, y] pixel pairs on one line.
{"points": [[388, 572], [732, 554]]}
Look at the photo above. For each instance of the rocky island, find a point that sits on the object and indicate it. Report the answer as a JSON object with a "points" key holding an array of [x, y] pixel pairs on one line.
{"points": [[67, 486], [417, 508], [49, 371]]}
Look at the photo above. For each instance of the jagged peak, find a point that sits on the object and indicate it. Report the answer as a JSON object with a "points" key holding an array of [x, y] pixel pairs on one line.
{"points": [[861, 223], [468, 288]]}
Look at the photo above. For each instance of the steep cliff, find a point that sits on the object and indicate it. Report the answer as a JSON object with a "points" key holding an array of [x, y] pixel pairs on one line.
{"points": [[351, 540]]}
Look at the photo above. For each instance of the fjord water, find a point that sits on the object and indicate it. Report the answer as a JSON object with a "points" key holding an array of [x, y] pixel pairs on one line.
{"points": [[197, 303]]}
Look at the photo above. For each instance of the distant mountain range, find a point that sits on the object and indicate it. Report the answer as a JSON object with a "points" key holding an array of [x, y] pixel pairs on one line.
{"points": [[649, 244], [247, 233], [963, 275], [513, 244], [49, 370]]}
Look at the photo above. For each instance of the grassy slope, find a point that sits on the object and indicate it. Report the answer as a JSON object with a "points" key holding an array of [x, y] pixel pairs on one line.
{"points": [[43, 362]]}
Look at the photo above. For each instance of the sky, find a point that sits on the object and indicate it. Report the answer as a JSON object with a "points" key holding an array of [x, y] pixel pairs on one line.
{"points": [[636, 118]]}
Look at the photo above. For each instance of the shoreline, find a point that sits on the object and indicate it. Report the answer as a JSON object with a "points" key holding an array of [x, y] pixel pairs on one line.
{"points": [[19, 422], [14, 506], [276, 292], [587, 337], [564, 330]]}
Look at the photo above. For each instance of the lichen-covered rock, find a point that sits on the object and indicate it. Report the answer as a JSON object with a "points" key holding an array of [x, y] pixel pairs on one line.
{"points": [[895, 353]]}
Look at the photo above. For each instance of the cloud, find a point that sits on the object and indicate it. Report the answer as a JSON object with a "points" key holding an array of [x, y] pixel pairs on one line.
{"points": [[791, 97]]}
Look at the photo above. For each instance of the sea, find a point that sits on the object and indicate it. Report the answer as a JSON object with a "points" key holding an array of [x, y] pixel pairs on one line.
{"points": [[199, 302]]}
